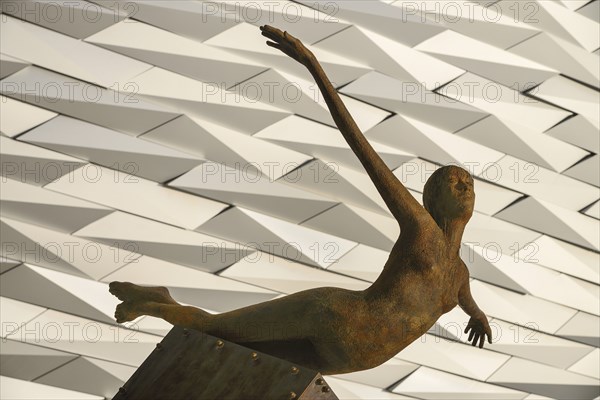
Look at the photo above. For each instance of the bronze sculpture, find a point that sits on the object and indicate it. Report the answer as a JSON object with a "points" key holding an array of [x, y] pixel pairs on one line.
{"points": [[334, 330]]}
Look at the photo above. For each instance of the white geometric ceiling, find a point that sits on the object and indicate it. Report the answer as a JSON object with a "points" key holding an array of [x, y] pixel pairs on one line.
{"points": [[163, 143]]}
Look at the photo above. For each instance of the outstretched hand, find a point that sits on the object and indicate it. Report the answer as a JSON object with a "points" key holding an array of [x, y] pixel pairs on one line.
{"points": [[287, 44], [479, 328]]}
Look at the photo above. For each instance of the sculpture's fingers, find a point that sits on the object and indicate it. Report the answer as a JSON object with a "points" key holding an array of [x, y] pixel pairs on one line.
{"points": [[274, 45], [481, 341], [488, 332], [475, 339], [471, 334], [468, 328], [272, 33]]}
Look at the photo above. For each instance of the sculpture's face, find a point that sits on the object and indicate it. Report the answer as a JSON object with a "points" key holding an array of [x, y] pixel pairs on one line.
{"points": [[449, 194]]}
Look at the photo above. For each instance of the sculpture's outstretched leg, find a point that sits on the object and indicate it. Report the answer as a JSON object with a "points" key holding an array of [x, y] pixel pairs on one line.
{"points": [[153, 301], [287, 318]]}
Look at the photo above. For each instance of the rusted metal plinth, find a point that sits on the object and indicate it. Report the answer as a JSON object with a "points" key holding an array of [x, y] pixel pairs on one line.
{"points": [[190, 365]]}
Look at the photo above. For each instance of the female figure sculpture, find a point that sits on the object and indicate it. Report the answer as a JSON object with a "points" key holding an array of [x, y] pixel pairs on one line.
{"points": [[334, 330]]}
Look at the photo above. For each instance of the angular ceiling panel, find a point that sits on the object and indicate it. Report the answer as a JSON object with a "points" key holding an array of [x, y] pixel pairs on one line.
{"points": [[125, 112], [111, 149], [18, 117], [248, 189]]}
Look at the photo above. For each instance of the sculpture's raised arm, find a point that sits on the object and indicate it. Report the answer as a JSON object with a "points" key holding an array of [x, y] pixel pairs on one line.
{"points": [[400, 202]]}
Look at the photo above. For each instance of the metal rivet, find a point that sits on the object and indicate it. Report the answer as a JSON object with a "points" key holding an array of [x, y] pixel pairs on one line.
{"points": [[122, 390], [319, 381], [220, 344], [186, 332], [159, 346], [295, 370], [325, 389], [254, 356], [292, 396]]}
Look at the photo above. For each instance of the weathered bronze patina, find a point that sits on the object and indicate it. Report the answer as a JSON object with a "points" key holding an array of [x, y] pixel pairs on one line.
{"points": [[334, 330]]}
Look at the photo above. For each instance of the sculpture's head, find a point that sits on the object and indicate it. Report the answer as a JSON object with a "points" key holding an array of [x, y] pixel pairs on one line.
{"points": [[449, 195]]}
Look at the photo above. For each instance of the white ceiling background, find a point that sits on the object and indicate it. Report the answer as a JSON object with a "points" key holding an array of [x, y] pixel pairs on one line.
{"points": [[163, 143]]}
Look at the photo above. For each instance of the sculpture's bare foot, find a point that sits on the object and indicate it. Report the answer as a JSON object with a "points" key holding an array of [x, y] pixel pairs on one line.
{"points": [[130, 293], [130, 310]]}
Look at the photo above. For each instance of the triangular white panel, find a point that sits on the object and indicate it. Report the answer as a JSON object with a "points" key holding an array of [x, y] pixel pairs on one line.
{"points": [[486, 60], [528, 343], [563, 257], [524, 143], [16, 389], [573, 61], [125, 112], [541, 183], [427, 383], [77, 19], [111, 149], [559, 222], [379, 17], [302, 97], [324, 142], [44, 207], [588, 170], [74, 375], [471, 19], [483, 263], [26, 361], [462, 359], [276, 236], [382, 376], [503, 102], [7, 264], [542, 282], [413, 100], [582, 327], [140, 235], [339, 183], [579, 131], [248, 189], [207, 100], [32, 164], [593, 210], [177, 16], [60, 291], [130, 193], [588, 365], [173, 52], [352, 390], [417, 137], [244, 40], [226, 146], [391, 57], [18, 117], [9, 65], [87, 337], [61, 252], [486, 231], [68, 55], [572, 96], [520, 309], [530, 376], [357, 224], [553, 17], [15, 314]]}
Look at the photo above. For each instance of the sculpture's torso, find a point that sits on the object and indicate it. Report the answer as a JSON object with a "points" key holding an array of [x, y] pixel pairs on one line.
{"points": [[420, 282]]}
